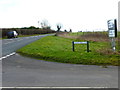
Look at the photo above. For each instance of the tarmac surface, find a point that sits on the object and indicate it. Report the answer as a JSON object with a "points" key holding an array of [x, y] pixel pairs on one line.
{"points": [[24, 71], [19, 71]]}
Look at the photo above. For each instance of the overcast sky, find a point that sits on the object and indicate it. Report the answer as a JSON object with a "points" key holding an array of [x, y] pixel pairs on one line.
{"points": [[75, 14]]}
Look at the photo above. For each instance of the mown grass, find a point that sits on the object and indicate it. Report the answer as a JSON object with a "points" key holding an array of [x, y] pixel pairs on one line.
{"points": [[59, 49]]}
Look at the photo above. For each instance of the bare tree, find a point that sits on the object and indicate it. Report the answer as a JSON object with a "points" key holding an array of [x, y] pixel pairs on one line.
{"points": [[59, 26], [45, 24]]}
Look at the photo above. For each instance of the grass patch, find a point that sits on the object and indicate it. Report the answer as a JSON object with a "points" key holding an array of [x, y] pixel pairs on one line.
{"points": [[59, 49]]}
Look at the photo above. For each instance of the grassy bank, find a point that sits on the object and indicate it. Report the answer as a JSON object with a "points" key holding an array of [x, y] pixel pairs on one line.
{"points": [[59, 49]]}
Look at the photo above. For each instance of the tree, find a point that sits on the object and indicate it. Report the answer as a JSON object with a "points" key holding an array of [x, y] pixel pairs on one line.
{"points": [[70, 30], [45, 24], [59, 26], [31, 27], [65, 30]]}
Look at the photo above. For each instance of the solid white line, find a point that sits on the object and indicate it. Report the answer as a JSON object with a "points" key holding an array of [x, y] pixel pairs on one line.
{"points": [[53, 87], [7, 56]]}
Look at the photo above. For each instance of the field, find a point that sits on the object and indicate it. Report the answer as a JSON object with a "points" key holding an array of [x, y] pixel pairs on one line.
{"points": [[59, 49]]}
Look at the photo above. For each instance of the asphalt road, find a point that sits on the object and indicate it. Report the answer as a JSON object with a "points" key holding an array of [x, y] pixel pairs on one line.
{"points": [[11, 45], [19, 71]]}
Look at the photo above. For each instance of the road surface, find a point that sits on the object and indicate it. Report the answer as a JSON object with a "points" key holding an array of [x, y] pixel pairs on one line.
{"points": [[19, 71], [11, 45]]}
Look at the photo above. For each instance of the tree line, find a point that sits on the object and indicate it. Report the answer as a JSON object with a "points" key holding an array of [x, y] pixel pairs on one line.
{"points": [[26, 31]]}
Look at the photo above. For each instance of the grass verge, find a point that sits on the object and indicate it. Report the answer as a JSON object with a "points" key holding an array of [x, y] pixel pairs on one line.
{"points": [[59, 49]]}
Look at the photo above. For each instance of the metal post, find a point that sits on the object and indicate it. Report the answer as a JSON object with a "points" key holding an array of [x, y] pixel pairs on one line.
{"points": [[87, 46], [113, 44], [73, 46]]}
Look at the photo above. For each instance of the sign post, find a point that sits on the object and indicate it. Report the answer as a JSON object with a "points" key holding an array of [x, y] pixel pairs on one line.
{"points": [[87, 46], [112, 31], [73, 46]]}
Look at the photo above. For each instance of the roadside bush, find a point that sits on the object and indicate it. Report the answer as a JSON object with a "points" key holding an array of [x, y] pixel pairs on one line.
{"points": [[22, 31]]}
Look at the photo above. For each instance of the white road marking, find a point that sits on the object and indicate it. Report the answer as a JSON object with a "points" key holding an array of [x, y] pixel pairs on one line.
{"points": [[9, 39], [19, 39], [8, 42], [7, 56], [27, 37], [13, 41], [54, 87]]}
